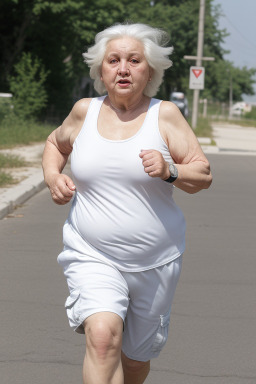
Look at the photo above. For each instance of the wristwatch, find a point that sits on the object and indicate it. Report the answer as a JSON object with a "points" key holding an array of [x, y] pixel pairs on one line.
{"points": [[174, 173]]}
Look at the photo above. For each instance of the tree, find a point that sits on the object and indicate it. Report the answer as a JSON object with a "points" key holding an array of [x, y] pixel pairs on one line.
{"points": [[57, 32], [222, 74], [27, 87]]}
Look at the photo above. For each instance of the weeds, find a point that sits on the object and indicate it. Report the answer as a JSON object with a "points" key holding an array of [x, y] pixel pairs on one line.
{"points": [[11, 161], [6, 179], [15, 131]]}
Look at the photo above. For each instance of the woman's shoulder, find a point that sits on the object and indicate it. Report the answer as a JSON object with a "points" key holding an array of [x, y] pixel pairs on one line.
{"points": [[171, 121], [167, 108], [72, 125], [80, 109]]}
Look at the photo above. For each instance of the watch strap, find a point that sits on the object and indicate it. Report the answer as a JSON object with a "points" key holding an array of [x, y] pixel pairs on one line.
{"points": [[171, 179]]}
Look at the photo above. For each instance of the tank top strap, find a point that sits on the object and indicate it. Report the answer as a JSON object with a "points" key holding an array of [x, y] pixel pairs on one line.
{"points": [[90, 121], [152, 117], [93, 112]]}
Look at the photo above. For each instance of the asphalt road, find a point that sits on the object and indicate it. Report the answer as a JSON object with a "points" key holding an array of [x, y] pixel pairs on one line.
{"points": [[212, 333]]}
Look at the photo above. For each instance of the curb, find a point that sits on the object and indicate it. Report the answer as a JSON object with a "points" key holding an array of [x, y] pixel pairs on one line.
{"points": [[21, 193]]}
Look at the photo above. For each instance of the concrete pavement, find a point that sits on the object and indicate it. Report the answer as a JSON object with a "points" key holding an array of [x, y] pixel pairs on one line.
{"points": [[230, 139], [30, 178], [212, 332]]}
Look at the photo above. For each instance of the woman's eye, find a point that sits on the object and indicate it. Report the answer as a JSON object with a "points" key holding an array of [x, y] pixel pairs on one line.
{"points": [[134, 61], [113, 61]]}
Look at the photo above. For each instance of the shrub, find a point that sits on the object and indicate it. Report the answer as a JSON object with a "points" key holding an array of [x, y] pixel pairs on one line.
{"points": [[27, 87]]}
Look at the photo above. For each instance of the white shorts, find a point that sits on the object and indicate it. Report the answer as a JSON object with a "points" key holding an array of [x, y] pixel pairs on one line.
{"points": [[142, 299]]}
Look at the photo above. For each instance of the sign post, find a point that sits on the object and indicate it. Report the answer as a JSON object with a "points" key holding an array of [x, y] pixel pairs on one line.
{"points": [[199, 57]]}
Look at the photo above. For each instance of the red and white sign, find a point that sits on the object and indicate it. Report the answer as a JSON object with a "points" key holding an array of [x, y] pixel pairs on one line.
{"points": [[196, 78]]}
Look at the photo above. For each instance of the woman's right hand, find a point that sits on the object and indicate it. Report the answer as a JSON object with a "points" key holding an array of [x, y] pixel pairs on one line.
{"points": [[62, 188]]}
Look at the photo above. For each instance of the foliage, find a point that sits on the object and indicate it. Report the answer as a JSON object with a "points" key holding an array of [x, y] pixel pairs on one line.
{"points": [[5, 107], [223, 76], [57, 32], [27, 87]]}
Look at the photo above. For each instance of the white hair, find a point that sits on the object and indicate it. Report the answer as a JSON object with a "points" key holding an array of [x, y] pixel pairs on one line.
{"points": [[155, 51]]}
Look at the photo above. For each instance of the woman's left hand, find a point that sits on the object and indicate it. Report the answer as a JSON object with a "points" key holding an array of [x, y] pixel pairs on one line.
{"points": [[154, 163]]}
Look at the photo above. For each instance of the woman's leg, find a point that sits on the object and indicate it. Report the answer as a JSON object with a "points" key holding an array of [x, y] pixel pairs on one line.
{"points": [[102, 362], [135, 372]]}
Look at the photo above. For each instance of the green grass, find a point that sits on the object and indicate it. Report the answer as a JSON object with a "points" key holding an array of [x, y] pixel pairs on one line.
{"points": [[11, 161], [14, 131], [6, 179], [203, 128]]}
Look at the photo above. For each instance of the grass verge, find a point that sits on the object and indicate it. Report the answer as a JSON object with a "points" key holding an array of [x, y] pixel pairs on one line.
{"points": [[203, 128], [6, 179], [14, 131], [11, 161]]}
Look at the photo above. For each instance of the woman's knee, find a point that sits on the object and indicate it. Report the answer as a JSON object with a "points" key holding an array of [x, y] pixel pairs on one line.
{"points": [[103, 335]]}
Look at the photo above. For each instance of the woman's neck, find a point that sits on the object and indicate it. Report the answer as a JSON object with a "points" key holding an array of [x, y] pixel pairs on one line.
{"points": [[124, 105]]}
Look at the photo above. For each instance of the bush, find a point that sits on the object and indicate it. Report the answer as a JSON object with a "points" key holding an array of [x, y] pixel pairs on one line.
{"points": [[5, 107], [27, 87]]}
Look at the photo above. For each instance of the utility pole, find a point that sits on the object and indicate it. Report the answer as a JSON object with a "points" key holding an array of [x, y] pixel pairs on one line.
{"points": [[200, 45], [199, 58], [230, 96]]}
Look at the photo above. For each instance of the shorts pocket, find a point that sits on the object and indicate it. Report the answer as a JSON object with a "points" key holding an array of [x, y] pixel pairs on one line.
{"points": [[72, 306], [162, 333]]}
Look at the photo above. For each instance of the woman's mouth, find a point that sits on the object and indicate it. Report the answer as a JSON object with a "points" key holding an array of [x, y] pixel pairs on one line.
{"points": [[123, 82]]}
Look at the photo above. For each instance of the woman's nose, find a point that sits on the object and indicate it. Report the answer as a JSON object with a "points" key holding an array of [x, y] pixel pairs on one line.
{"points": [[123, 68]]}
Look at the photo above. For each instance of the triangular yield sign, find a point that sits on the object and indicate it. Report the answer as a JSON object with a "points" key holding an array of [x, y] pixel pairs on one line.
{"points": [[197, 72]]}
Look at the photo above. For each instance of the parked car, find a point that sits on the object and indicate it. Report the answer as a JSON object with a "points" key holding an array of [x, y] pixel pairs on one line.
{"points": [[181, 101]]}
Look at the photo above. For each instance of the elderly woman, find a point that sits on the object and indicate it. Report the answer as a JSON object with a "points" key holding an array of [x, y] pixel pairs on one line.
{"points": [[125, 236]]}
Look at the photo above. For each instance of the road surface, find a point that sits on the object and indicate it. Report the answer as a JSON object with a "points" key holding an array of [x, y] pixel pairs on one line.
{"points": [[212, 332]]}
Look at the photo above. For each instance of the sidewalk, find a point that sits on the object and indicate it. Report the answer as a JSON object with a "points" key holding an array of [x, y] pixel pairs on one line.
{"points": [[230, 139], [30, 178]]}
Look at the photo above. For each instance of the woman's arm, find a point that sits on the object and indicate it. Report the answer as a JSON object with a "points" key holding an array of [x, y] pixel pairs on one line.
{"points": [[58, 147], [193, 167]]}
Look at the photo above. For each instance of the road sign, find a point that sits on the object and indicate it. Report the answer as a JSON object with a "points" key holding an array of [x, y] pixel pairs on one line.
{"points": [[196, 78]]}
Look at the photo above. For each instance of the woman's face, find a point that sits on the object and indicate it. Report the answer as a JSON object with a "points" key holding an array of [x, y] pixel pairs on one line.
{"points": [[125, 70]]}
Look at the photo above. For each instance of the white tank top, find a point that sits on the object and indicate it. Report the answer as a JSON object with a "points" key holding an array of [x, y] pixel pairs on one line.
{"points": [[120, 213]]}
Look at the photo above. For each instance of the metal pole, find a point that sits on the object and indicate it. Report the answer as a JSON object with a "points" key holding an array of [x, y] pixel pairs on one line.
{"points": [[205, 108], [200, 44], [230, 97]]}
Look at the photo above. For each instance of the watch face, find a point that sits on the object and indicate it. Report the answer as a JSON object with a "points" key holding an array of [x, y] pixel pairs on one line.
{"points": [[173, 170]]}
